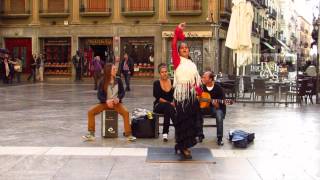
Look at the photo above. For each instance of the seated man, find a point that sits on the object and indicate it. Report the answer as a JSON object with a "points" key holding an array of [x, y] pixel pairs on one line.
{"points": [[216, 109], [110, 94]]}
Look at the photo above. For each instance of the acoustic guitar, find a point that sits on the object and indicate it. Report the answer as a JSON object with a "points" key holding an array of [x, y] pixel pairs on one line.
{"points": [[205, 100]]}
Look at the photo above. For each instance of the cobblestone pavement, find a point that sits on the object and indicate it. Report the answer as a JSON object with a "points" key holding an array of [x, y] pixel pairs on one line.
{"points": [[41, 127]]}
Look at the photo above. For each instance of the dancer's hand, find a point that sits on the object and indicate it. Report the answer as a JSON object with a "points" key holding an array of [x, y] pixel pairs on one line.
{"points": [[182, 25]]}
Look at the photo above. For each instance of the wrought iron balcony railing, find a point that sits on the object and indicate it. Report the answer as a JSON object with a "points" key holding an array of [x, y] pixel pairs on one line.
{"points": [[137, 7], [58, 10], [95, 7], [19, 11], [185, 7]]}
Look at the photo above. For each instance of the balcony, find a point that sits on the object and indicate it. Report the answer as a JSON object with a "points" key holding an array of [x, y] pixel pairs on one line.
{"points": [[184, 7], [54, 8], [273, 14], [255, 28], [263, 3], [95, 8], [225, 11], [137, 7], [15, 9]]}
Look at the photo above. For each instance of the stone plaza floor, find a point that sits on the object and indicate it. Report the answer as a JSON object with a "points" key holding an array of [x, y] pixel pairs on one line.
{"points": [[41, 126]]}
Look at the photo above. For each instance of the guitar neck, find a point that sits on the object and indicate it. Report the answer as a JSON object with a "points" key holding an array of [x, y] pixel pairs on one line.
{"points": [[222, 101]]}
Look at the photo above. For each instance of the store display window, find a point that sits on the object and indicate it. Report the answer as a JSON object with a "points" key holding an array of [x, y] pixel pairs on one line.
{"points": [[57, 54], [141, 50], [196, 54]]}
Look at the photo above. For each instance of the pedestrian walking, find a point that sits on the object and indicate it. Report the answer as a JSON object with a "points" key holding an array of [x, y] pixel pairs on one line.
{"points": [[33, 66], [126, 68], [77, 61], [97, 70]]}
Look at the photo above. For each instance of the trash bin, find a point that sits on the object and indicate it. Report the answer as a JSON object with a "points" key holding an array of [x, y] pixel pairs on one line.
{"points": [[109, 124]]}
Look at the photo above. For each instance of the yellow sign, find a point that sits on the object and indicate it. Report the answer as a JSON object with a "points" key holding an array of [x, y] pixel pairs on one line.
{"points": [[99, 41], [189, 34]]}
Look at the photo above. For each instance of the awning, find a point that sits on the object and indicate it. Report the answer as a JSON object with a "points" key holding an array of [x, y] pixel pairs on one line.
{"points": [[268, 45], [283, 44]]}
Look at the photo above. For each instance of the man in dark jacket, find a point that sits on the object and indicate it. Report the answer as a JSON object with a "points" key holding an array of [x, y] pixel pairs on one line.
{"points": [[217, 109], [126, 68], [78, 61]]}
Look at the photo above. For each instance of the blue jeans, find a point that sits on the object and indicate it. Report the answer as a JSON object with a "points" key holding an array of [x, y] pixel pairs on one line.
{"points": [[218, 114], [127, 79]]}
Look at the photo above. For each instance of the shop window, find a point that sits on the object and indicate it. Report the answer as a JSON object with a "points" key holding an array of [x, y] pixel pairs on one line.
{"points": [[184, 7], [141, 51], [57, 53], [137, 7], [195, 52]]}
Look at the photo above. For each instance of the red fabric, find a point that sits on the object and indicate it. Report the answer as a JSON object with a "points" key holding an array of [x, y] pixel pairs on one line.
{"points": [[198, 90], [178, 36]]}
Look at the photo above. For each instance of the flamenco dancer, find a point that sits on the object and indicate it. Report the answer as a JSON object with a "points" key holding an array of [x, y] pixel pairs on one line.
{"points": [[186, 83]]}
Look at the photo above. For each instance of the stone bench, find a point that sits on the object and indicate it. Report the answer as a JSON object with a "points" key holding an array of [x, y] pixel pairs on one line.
{"points": [[204, 117]]}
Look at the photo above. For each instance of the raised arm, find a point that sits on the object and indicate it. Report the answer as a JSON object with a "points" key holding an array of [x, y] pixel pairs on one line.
{"points": [[178, 36]]}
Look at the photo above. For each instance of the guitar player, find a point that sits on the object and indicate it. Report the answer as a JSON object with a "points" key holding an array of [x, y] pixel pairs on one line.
{"points": [[215, 109]]}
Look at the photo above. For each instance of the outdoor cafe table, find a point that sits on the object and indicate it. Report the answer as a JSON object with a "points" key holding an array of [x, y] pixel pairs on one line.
{"points": [[279, 84]]}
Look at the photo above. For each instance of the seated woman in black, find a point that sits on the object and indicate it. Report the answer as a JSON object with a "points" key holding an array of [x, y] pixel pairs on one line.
{"points": [[163, 92]]}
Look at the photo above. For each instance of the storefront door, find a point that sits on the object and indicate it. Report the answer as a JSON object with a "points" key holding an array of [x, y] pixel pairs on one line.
{"points": [[20, 48]]}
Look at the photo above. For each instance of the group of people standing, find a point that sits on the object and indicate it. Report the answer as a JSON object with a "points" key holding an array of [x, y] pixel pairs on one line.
{"points": [[10, 68], [176, 99], [37, 68]]}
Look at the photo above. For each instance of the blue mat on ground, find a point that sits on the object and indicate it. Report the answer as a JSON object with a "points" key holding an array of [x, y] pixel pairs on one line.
{"points": [[167, 155]]}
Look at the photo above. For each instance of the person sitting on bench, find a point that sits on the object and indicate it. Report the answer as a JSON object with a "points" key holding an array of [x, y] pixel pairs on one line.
{"points": [[110, 94], [163, 93], [215, 109]]}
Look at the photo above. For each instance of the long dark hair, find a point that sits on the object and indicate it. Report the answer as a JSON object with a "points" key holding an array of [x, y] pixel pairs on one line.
{"points": [[107, 76]]}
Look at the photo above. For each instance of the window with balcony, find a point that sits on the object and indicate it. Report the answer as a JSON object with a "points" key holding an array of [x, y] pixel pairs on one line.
{"points": [[225, 11], [15, 8], [184, 7], [54, 8], [95, 7], [137, 7]]}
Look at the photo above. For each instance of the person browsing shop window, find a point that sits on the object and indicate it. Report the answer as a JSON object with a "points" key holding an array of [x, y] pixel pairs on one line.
{"points": [[163, 94], [216, 109], [126, 68], [110, 94]]}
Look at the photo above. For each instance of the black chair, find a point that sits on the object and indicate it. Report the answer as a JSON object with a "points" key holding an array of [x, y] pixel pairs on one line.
{"points": [[260, 89], [247, 86]]}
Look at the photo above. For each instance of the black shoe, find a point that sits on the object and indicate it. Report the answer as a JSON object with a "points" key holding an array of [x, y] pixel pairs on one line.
{"points": [[200, 138], [220, 142]]}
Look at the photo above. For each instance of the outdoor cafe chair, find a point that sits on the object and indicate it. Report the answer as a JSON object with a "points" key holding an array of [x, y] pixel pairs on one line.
{"points": [[261, 89]]}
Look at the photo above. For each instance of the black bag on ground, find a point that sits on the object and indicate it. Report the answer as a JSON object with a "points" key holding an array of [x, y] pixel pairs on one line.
{"points": [[142, 127]]}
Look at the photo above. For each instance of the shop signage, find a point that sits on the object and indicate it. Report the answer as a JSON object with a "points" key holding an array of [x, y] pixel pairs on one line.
{"points": [[99, 41], [190, 34], [56, 42]]}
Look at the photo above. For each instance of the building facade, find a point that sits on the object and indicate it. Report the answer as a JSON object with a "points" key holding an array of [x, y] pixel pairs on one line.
{"points": [[141, 28], [304, 40], [289, 26]]}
